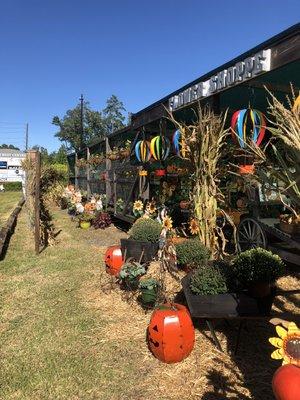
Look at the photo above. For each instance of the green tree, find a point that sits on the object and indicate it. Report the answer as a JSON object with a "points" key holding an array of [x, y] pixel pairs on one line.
{"points": [[113, 114], [8, 146], [70, 127], [45, 156], [60, 156]]}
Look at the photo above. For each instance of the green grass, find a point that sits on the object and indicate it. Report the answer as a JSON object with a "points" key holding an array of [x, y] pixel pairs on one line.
{"points": [[50, 339], [8, 201]]}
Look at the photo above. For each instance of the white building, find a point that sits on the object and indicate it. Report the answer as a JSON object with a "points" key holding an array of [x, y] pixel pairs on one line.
{"points": [[10, 165]]}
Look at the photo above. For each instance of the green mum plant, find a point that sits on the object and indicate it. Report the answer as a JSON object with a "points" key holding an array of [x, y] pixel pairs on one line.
{"points": [[145, 230], [208, 280], [192, 253], [257, 265]]}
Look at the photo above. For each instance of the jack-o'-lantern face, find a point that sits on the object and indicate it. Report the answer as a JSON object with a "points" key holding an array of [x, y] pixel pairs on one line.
{"points": [[171, 333]]}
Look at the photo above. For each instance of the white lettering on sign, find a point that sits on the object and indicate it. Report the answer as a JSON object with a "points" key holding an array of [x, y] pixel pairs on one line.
{"points": [[241, 71]]}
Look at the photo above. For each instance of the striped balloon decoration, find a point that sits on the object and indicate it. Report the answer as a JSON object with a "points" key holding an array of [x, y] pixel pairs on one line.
{"points": [[178, 143], [240, 126], [160, 148], [142, 151]]}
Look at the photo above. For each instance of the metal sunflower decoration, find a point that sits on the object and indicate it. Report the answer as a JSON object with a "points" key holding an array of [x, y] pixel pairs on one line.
{"points": [[288, 344]]}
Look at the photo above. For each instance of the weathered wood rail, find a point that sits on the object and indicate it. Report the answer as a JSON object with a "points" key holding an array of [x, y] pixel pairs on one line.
{"points": [[7, 229]]}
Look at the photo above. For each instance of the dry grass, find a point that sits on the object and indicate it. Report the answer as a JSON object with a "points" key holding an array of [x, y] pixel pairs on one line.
{"points": [[64, 337]]}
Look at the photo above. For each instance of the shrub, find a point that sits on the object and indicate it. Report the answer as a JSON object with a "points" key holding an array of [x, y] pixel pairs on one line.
{"points": [[145, 230], [12, 186], [192, 253], [257, 265], [207, 280], [102, 220], [132, 270]]}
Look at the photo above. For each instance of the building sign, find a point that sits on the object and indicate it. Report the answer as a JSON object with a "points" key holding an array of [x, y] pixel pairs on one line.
{"points": [[241, 71], [3, 164]]}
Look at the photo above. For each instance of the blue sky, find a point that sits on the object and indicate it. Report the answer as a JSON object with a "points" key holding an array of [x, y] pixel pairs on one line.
{"points": [[54, 50]]}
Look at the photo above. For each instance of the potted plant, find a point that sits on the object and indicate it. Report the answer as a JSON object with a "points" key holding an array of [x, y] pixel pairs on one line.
{"points": [[124, 152], [191, 253], [143, 239], [113, 154], [149, 291], [85, 220], [102, 220], [130, 274], [257, 269]]}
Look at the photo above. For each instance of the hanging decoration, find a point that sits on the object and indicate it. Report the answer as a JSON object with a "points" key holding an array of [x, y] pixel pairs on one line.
{"points": [[241, 126], [142, 151], [179, 145], [160, 148]]}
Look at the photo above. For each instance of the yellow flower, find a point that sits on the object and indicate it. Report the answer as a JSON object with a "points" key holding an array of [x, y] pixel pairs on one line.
{"points": [[150, 208], [288, 345], [138, 205], [194, 227], [167, 223]]}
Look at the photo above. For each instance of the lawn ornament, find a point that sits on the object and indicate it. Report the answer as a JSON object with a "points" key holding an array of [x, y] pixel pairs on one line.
{"points": [[113, 260], [179, 145], [160, 148], [286, 383], [246, 122], [287, 344], [142, 151], [171, 333], [248, 126]]}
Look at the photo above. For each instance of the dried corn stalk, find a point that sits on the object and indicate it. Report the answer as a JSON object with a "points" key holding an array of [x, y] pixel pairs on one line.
{"points": [[204, 141]]}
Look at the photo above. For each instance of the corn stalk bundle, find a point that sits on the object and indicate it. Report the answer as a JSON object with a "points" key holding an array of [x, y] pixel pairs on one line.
{"points": [[204, 141], [280, 159]]}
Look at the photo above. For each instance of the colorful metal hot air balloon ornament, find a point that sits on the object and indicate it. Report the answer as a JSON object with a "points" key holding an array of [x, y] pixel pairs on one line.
{"points": [[142, 151], [179, 145], [160, 147], [248, 125], [240, 124]]}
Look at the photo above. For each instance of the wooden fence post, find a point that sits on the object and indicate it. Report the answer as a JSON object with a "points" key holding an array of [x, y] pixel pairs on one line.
{"points": [[76, 171], [88, 172], [37, 201]]}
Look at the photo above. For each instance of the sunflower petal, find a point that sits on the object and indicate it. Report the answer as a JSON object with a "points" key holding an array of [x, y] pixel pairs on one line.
{"points": [[285, 361], [292, 328], [275, 341], [276, 355], [281, 332]]}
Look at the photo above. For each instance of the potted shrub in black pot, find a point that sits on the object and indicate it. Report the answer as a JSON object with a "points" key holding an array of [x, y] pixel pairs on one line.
{"points": [[191, 253], [257, 270], [130, 274], [142, 244], [220, 289]]}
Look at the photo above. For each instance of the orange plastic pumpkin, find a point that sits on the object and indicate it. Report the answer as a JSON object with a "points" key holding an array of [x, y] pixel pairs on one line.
{"points": [[113, 260], [171, 334], [286, 383]]}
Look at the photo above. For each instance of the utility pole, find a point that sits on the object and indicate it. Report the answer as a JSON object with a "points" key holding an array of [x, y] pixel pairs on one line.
{"points": [[81, 122], [26, 138]]}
